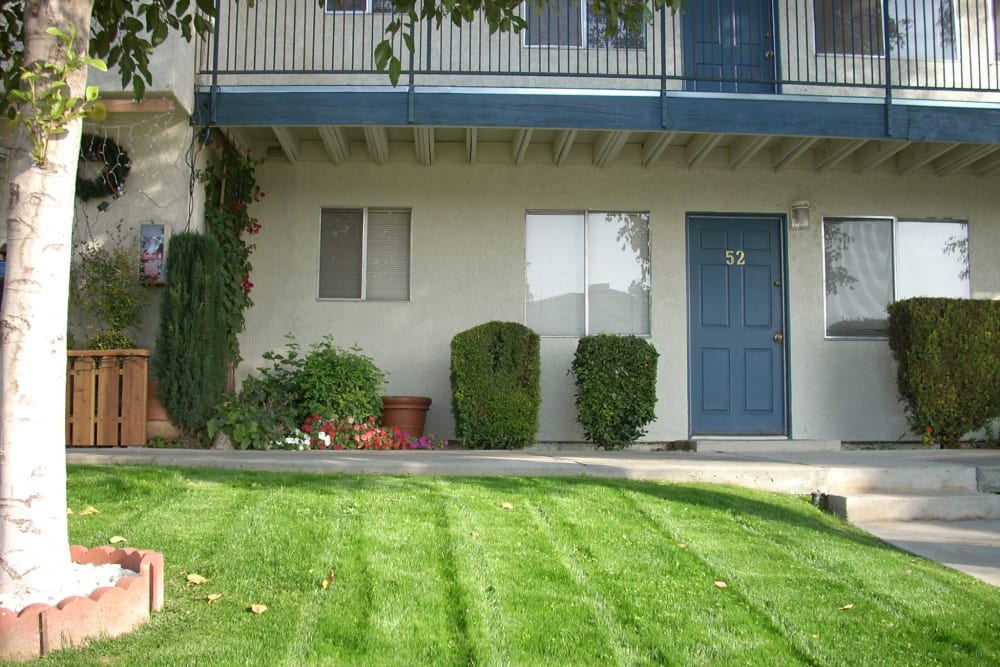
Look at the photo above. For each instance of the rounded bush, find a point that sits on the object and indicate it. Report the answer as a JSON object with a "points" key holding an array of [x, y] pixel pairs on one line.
{"points": [[615, 388], [496, 385]]}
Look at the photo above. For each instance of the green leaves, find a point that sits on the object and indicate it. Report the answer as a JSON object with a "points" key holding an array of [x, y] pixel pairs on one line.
{"points": [[45, 103], [615, 387]]}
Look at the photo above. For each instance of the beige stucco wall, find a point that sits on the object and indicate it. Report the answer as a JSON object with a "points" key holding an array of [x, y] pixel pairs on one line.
{"points": [[156, 192], [168, 79], [468, 232]]}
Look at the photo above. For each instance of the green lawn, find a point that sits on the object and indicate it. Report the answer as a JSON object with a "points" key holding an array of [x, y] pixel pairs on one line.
{"points": [[510, 571]]}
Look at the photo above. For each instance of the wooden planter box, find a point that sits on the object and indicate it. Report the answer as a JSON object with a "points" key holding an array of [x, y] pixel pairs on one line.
{"points": [[106, 397]]}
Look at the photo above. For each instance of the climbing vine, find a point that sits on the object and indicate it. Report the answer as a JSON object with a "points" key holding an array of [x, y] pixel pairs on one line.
{"points": [[230, 188]]}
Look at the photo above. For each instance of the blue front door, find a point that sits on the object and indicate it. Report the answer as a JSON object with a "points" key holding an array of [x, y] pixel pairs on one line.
{"points": [[729, 46], [736, 325]]}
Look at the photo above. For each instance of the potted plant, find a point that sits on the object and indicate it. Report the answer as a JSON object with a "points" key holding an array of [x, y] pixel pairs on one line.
{"points": [[108, 379]]}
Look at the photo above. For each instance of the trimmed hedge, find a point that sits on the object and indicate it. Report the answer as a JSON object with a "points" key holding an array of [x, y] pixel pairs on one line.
{"points": [[615, 388], [948, 364], [496, 385]]}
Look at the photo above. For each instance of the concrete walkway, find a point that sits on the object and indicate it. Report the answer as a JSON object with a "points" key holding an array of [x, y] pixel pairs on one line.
{"points": [[972, 547]]}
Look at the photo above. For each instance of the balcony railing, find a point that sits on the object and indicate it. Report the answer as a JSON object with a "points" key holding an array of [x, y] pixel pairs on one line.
{"points": [[826, 47]]}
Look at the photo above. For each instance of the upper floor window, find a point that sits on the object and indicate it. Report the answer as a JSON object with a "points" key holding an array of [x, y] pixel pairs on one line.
{"points": [[587, 273], [871, 262], [916, 30], [359, 6], [364, 254], [572, 23]]}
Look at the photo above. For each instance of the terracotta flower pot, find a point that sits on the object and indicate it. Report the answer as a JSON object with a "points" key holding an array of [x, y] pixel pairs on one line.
{"points": [[408, 413]]}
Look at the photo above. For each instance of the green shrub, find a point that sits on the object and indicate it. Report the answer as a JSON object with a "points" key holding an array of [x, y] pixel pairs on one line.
{"points": [[326, 380], [496, 385], [337, 384], [192, 358], [615, 388], [948, 364]]}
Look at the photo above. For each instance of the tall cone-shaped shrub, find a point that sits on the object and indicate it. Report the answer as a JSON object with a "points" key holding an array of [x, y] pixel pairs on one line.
{"points": [[192, 354]]}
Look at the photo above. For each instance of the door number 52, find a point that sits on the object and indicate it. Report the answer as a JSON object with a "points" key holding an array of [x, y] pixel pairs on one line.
{"points": [[737, 257]]}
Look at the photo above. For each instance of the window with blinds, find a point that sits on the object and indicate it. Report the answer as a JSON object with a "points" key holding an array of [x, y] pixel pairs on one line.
{"points": [[871, 262], [587, 273], [364, 254]]}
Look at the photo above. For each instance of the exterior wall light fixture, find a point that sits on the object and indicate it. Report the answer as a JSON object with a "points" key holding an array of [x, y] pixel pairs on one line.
{"points": [[800, 215]]}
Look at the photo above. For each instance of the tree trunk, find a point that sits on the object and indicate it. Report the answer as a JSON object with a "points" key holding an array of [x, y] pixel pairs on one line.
{"points": [[34, 541]]}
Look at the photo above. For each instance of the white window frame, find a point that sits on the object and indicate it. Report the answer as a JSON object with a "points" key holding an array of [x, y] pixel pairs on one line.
{"points": [[587, 267], [897, 52], [365, 210], [584, 18], [893, 261]]}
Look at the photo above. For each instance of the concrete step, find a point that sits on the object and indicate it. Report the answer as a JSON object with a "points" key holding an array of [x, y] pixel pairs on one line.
{"points": [[875, 507], [989, 479], [758, 446], [928, 478]]}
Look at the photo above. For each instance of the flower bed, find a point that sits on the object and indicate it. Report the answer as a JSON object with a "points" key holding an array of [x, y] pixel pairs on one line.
{"points": [[319, 433]]}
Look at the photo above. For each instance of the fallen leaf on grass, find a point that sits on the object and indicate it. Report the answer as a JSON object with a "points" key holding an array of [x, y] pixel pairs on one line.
{"points": [[507, 506], [89, 510], [258, 608], [117, 539], [846, 607], [682, 546], [196, 579], [721, 584], [474, 533], [330, 578], [213, 597]]}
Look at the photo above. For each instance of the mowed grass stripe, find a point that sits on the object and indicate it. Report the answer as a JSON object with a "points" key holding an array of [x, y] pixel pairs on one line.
{"points": [[665, 593], [485, 626], [532, 596], [623, 567], [781, 557]]}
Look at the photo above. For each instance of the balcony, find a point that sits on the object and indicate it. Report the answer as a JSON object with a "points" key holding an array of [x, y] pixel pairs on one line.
{"points": [[899, 71]]}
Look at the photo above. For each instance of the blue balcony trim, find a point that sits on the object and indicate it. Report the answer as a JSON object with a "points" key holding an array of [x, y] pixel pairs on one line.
{"points": [[788, 115]]}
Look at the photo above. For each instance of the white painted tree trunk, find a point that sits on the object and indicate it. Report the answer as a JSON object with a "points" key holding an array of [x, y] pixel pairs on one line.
{"points": [[34, 541]]}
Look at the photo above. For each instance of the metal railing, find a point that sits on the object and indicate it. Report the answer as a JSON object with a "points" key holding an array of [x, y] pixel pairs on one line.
{"points": [[851, 47]]}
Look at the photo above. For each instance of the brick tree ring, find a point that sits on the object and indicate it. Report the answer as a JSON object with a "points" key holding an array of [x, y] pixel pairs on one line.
{"points": [[113, 164]]}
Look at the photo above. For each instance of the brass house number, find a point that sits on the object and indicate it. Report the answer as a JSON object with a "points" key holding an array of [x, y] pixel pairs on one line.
{"points": [[737, 257]]}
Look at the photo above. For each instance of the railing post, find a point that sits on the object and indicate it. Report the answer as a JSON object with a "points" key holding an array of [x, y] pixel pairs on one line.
{"points": [[411, 92], [886, 36], [663, 67], [213, 93]]}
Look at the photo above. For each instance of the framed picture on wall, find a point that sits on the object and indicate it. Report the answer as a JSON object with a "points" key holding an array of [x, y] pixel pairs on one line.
{"points": [[152, 250]]}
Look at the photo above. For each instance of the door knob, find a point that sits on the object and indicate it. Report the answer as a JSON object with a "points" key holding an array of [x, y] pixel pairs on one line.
{"points": [[779, 337], [769, 54]]}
